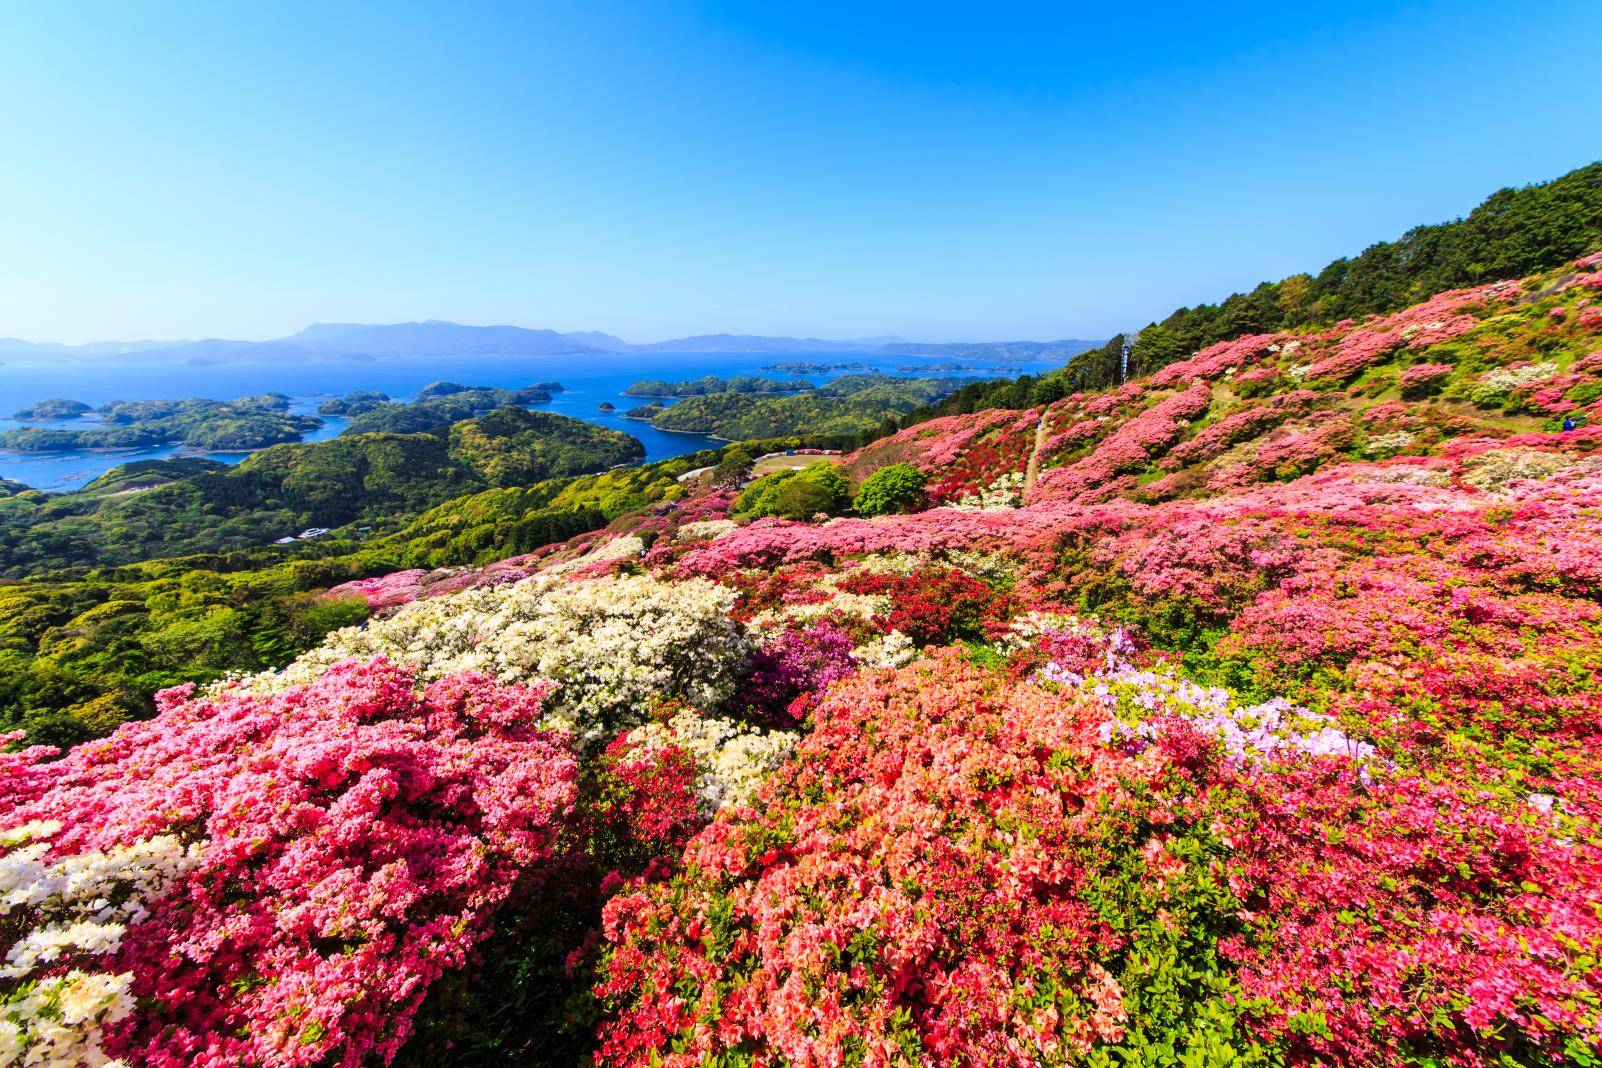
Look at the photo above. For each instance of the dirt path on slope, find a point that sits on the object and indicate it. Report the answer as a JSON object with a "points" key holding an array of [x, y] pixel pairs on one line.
{"points": [[1032, 469]]}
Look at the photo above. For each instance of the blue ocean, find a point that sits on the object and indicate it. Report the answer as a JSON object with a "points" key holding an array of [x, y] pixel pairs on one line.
{"points": [[589, 380]]}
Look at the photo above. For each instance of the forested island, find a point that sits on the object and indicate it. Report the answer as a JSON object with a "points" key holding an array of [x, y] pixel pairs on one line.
{"points": [[851, 404], [54, 408], [225, 426], [700, 387], [810, 367], [437, 405]]}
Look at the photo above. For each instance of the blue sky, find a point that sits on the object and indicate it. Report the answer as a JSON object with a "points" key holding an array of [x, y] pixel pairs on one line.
{"points": [[938, 171]]}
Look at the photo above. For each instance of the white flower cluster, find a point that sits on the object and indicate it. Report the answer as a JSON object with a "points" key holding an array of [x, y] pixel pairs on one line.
{"points": [[1389, 444], [58, 1022], [1495, 469], [705, 530], [1298, 372], [69, 910], [614, 644], [734, 758], [1506, 378], [623, 547], [1004, 492], [987, 567], [893, 650]]}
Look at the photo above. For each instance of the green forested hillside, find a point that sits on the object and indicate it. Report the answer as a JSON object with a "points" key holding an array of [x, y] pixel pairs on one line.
{"points": [[849, 405], [380, 478], [1513, 232]]}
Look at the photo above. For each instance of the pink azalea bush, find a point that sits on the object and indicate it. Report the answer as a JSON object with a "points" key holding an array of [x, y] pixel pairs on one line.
{"points": [[357, 838]]}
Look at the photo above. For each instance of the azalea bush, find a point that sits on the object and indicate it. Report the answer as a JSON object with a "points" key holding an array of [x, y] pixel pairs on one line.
{"points": [[71, 912], [323, 854], [960, 869], [613, 644]]}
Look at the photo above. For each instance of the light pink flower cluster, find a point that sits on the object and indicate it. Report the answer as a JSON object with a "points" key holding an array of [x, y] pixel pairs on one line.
{"points": [[1212, 362], [1132, 446]]}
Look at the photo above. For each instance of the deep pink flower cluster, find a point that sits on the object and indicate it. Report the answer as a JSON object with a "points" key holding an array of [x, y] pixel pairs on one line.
{"points": [[797, 663], [870, 904], [1355, 351], [359, 838], [1292, 451]]}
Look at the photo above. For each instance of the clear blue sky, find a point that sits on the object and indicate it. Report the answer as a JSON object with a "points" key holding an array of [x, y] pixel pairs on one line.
{"points": [[934, 170]]}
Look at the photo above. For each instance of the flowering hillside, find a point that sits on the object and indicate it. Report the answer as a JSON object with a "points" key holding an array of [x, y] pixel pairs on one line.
{"points": [[1250, 713]]}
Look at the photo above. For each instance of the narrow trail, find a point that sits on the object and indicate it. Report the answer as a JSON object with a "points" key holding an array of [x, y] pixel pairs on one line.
{"points": [[1032, 469]]}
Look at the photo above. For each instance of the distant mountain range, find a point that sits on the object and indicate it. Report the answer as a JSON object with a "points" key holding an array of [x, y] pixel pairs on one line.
{"points": [[365, 341], [1065, 349]]}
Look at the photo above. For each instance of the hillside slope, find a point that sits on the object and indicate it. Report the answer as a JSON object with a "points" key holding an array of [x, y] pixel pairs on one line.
{"points": [[1245, 714]]}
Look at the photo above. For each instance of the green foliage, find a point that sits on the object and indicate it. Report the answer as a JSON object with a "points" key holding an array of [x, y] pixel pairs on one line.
{"points": [[893, 489], [820, 487], [736, 463], [1584, 394]]}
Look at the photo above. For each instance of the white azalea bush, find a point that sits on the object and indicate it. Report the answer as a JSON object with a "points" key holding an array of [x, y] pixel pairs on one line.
{"points": [[705, 529], [1004, 492], [61, 915], [615, 645], [734, 759], [1496, 469], [1389, 444]]}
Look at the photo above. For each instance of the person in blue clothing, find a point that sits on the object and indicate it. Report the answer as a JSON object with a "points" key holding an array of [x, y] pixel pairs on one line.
{"points": [[1569, 423]]}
